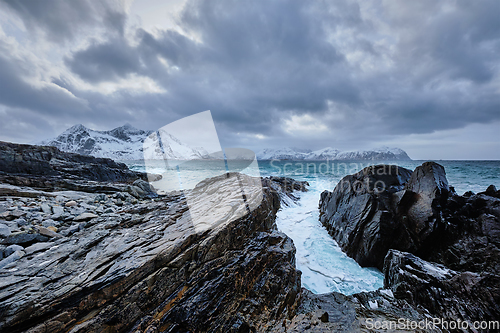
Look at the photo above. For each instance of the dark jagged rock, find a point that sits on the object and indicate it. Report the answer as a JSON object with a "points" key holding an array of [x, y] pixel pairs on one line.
{"points": [[471, 240], [403, 212], [445, 293], [359, 213], [49, 168], [363, 312], [454, 271]]}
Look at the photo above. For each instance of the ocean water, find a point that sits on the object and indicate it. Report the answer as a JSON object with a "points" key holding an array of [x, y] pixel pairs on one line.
{"points": [[325, 268]]}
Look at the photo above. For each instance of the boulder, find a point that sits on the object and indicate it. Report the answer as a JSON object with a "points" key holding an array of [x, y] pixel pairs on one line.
{"points": [[368, 214], [422, 203], [446, 294], [359, 213]]}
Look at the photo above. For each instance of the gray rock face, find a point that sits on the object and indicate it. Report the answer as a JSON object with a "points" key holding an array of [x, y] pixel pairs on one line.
{"points": [[454, 271], [446, 294], [148, 267], [403, 212], [420, 208], [359, 213]]}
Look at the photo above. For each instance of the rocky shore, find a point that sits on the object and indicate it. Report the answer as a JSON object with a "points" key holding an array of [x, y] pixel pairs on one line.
{"points": [[108, 257], [86, 245], [439, 252]]}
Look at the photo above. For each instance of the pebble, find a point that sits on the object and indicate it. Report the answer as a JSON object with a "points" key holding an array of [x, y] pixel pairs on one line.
{"points": [[4, 231], [71, 203], [46, 208], [85, 217], [10, 259], [47, 232], [11, 249]]}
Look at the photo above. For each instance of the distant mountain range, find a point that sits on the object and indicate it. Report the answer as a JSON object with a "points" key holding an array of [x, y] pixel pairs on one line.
{"points": [[126, 143], [384, 153]]}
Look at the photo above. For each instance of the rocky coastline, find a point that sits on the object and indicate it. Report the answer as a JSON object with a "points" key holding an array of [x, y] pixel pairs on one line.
{"points": [[439, 251], [86, 245]]}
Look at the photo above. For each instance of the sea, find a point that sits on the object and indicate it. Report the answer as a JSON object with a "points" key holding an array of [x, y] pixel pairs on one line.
{"points": [[325, 268]]}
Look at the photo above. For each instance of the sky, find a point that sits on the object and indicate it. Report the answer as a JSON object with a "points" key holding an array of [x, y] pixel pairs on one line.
{"points": [[423, 76]]}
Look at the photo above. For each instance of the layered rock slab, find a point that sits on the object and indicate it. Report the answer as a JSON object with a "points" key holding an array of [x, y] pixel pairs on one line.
{"points": [[150, 269]]}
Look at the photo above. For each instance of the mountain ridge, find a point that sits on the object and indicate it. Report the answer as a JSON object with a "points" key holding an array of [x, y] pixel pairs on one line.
{"points": [[328, 153], [121, 143], [126, 143]]}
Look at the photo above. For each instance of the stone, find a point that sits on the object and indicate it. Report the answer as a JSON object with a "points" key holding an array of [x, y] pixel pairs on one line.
{"points": [[71, 203], [38, 247], [11, 249], [155, 268], [426, 193], [12, 214], [46, 208], [12, 258], [47, 232], [58, 210], [21, 222], [404, 212], [49, 223], [4, 230], [24, 239], [52, 228], [85, 217], [101, 197], [72, 229]]}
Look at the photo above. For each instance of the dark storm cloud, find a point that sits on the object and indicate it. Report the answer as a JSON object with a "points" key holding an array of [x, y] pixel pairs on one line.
{"points": [[16, 92], [105, 62], [61, 20], [255, 60]]}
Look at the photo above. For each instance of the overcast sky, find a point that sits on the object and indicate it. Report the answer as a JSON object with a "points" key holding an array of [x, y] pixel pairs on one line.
{"points": [[420, 75]]}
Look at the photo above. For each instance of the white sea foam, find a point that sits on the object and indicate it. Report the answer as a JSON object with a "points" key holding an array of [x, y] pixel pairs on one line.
{"points": [[325, 268]]}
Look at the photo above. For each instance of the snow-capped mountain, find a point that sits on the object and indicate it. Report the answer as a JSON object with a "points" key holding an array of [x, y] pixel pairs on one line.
{"points": [[283, 154], [323, 154], [384, 153], [121, 143]]}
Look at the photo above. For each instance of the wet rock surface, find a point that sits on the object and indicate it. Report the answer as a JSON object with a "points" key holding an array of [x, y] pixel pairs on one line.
{"points": [[359, 213], [440, 251], [448, 294]]}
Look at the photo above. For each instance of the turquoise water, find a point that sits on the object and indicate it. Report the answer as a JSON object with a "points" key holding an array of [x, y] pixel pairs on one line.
{"points": [[325, 268]]}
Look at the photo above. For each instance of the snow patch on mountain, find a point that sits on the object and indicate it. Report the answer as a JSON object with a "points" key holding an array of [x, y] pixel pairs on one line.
{"points": [[121, 143], [383, 153]]}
